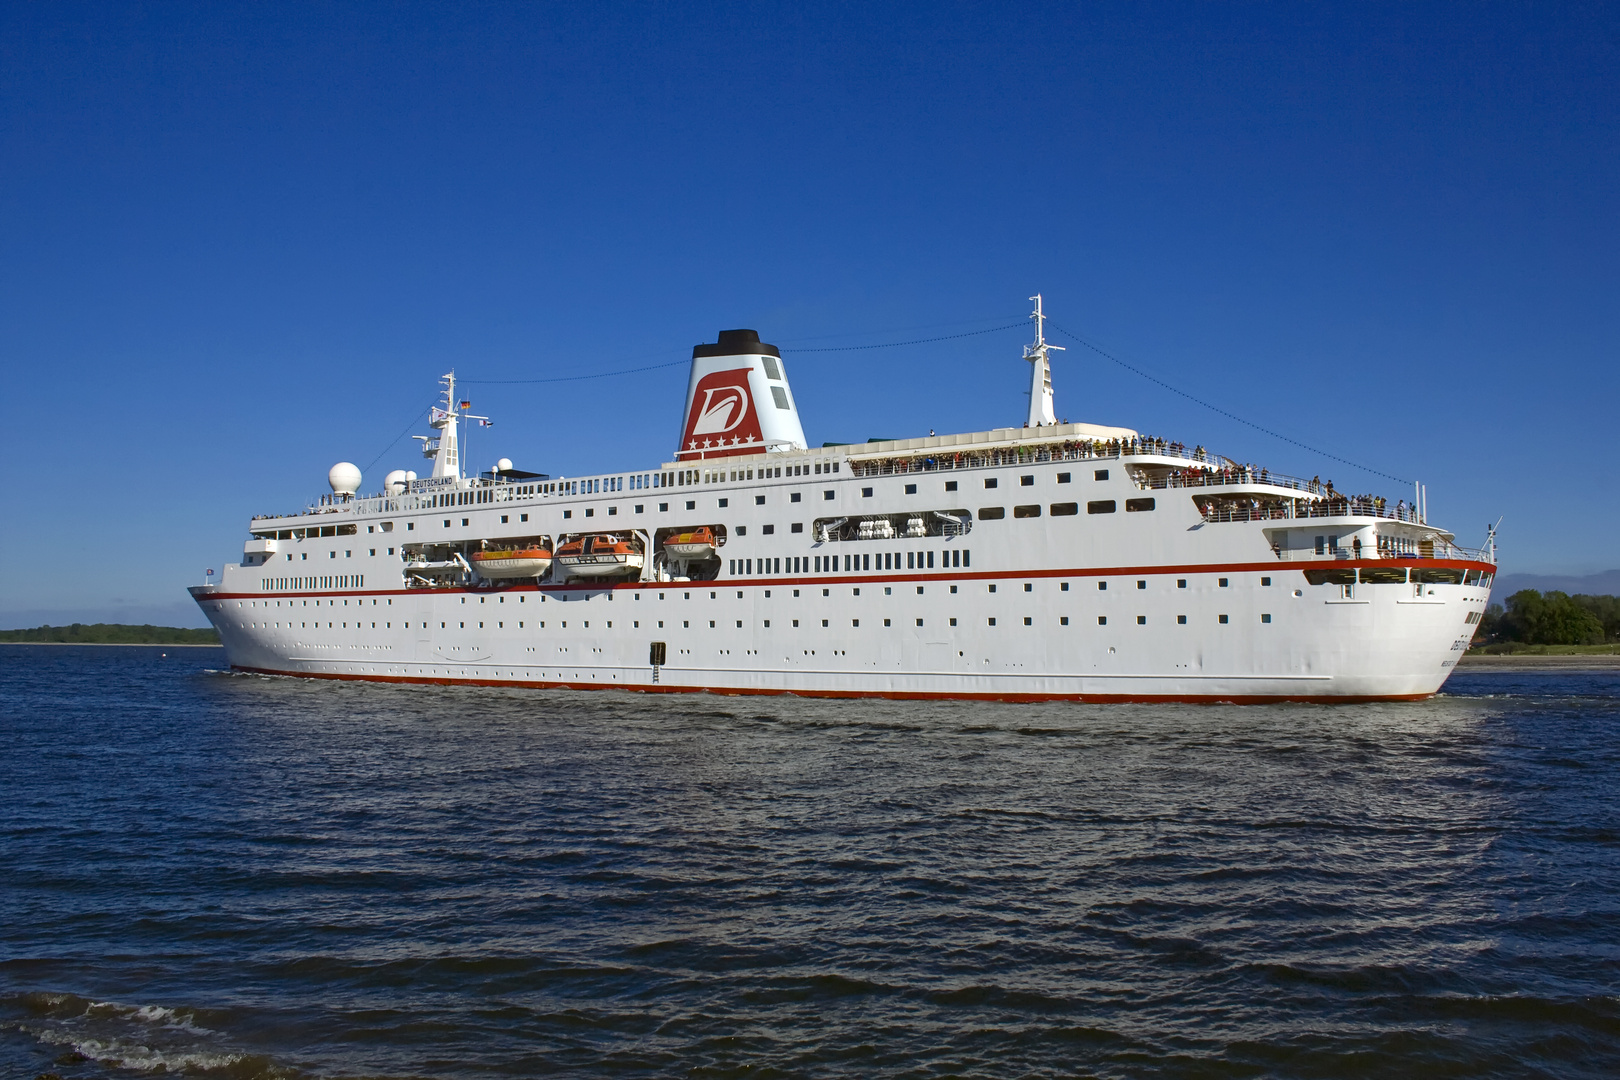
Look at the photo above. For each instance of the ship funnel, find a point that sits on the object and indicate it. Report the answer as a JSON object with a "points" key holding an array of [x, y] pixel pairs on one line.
{"points": [[738, 400]]}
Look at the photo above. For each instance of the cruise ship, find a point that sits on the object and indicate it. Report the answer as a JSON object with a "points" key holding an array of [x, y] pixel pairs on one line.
{"points": [[1047, 561]]}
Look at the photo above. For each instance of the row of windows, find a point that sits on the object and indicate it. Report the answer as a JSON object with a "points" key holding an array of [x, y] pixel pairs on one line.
{"points": [[327, 581], [686, 624]]}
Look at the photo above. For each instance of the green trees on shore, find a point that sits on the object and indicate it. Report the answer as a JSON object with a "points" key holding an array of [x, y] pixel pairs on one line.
{"points": [[112, 634], [1552, 618]]}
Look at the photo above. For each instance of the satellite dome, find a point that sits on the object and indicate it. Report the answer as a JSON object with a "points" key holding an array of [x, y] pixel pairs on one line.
{"points": [[395, 482], [344, 478], [504, 465], [410, 475]]}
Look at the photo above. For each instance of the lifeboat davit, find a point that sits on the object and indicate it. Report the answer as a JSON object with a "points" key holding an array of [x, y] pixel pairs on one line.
{"points": [[692, 544], [499, 564], [600, 555]]}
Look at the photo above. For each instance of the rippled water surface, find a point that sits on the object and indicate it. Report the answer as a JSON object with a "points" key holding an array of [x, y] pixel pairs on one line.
{"points": [[230, 875]]}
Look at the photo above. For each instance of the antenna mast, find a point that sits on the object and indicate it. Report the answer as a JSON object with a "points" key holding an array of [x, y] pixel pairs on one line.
{"points": [[1040, 386]]}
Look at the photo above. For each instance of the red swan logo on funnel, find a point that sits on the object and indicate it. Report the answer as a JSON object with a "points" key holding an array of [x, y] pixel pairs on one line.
{"points": [[721, 420]]}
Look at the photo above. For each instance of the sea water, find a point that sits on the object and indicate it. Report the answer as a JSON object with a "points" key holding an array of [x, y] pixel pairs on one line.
{"points": [[204, 873]]}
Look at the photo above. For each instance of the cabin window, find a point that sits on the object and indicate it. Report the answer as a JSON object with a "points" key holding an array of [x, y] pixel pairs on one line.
{"points": [[1065, 509], [1026, 481], [826, 495], [797, 526], [1030, 511], [950, 485], [866, 493], [723, 503], [759, 500], [992, 513], [1100, 474], [1063, 478], [911, 489], [767, 529], [1135, 505], [1100, 506], [794, 496], [990, 482]]}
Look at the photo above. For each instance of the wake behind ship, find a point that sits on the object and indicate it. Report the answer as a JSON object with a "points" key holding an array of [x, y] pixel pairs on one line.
{"points": [[1048, 561]]}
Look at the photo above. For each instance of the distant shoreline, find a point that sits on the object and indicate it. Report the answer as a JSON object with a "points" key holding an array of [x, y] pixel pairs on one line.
{"points": [[1540, 662], [125, 644]]}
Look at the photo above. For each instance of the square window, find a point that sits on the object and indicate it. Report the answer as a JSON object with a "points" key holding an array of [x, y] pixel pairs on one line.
{"points": [[464, 522], [1141, 620], [992, 622], [568, 513], [797, 526], [1102, 620], [1100, 474], [503, 519], [1181, 620], [1064, 621], [885, 622], [1265, 618], [823, 622], [827, 495], [525, 517], [953, 622], [723, 503], [950, 485], [1102, 586], [1029, 587], [1265, 582], [691, 504], [663, 508], [1222, 619], [866, 493], [759, 500], [990, 482], [590, 511], [1222, 583], [1028, 621], [1063, 478], [919, 622], [1181, 583], [794, 497], [768, 530], [911, 489], [1026, 481], [992, 588]]}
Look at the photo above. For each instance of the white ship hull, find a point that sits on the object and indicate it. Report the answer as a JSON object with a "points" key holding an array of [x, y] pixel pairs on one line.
{"points": [[737, 634]]}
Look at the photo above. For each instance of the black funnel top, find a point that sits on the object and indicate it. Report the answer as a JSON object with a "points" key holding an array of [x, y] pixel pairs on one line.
{"points": [[736, 343]]}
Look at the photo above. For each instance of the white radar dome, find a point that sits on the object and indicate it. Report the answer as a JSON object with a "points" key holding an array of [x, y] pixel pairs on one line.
{"points": [[504, 465], [395, 482], [410, 475], [344, 478]]}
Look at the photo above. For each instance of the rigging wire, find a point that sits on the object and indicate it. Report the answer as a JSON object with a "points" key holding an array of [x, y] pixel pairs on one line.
{"points": [[918, 341], [1215, 408], [414, 421], [677, 363]]}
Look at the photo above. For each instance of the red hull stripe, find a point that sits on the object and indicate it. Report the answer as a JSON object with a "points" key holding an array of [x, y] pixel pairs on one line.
{"points": [[893, 695], [879, 577]]}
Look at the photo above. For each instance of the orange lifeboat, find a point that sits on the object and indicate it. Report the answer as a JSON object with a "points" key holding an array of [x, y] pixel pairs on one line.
{"points": [[699, 543], [517, 561], [600, 555]]}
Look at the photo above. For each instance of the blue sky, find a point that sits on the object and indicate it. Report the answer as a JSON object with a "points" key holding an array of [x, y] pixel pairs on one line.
{"points": [[242, 242]]}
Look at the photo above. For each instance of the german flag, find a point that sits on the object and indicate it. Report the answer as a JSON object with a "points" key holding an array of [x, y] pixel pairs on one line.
{"points": [[466, 404]]}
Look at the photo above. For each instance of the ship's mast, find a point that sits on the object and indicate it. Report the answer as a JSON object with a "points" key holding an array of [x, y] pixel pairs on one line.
{"points": [[1040, 385], [447, 459]]}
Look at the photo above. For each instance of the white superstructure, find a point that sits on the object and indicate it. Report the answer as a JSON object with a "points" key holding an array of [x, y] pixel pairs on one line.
{"points": [[1053, 560]]}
